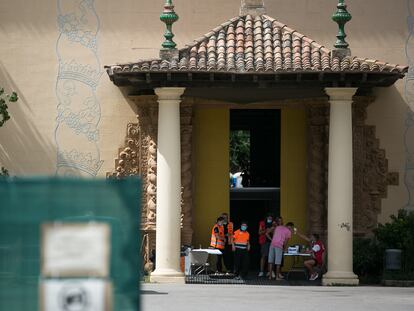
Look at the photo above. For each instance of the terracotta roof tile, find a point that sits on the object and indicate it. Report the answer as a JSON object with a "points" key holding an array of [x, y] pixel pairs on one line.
{"points": [[260, 44]]}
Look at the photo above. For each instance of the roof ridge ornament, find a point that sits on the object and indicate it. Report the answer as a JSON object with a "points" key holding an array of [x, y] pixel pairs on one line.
{"points": [[169, 17], [341, 17], [252, 7]]}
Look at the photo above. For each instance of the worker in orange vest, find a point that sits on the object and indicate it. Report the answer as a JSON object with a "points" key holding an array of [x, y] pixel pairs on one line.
{"points": [[218, 241], [241, 248], [228, 256]]}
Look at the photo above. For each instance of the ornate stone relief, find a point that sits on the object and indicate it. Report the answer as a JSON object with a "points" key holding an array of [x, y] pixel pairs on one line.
{"points": [[186, 171], [371, 176], [318, 137], [139, 157]]}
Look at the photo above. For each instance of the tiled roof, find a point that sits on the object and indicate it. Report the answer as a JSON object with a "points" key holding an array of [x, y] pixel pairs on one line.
{"points": [[257, 44]]}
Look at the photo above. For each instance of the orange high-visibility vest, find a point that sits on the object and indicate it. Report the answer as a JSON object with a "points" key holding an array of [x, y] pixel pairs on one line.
{"points": [[241, 239], [230, 233], [220, 242]]}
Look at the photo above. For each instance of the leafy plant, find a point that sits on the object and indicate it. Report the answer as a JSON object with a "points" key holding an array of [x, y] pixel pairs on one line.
{"points": [[395, 234], [4, 98], [399, 233], [368, 260], [4, 172], [239, 150], [5, 116]]}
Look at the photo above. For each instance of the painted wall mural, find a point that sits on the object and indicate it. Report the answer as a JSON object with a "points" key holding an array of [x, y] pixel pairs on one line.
{"points": [[409, 97], [79, 111]]}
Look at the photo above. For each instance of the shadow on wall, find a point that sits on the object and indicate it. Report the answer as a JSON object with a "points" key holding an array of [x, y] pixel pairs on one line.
{"points": [[23, 149], [127, 93]]}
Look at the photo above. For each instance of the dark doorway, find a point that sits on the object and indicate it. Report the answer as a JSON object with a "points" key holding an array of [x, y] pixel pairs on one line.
{"points": [[260, 131], [263, 128], [251, 205]]}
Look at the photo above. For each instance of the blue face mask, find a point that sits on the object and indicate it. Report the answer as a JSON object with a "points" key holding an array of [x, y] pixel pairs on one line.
{"points": [[243, 228]]}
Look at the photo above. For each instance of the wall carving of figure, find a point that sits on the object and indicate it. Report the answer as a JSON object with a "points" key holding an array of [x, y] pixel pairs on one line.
{"points": [[79, 112]]}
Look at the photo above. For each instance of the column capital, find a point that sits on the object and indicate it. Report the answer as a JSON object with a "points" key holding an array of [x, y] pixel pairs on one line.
{"points": [[169, 93], [340, 93]]}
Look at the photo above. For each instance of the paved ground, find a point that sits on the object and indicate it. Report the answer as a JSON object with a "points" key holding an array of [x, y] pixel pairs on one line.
{"points": [[254, 298]]}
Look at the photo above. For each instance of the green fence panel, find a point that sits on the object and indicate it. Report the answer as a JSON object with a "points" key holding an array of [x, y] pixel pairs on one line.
{"points": [[25, 204]]}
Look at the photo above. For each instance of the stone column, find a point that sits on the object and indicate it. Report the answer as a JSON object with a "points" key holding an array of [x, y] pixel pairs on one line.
{"points": [[168, 237], [340, 190]]}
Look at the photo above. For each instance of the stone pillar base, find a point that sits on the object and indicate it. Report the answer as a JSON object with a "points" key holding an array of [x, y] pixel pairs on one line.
{"points": [[160, 279], [167, 276], [340, 279]]}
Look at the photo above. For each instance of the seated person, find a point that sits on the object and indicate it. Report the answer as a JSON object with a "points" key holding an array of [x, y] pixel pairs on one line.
{"points": [[317, 251]]}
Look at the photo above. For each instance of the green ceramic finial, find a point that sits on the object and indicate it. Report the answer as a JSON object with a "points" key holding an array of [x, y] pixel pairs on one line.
{"points": [[341, 17], [169, 17]]}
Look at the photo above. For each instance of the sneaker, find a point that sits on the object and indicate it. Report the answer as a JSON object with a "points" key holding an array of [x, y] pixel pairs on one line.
{"points": [[314, 276], [261, 274], [273, 275]]}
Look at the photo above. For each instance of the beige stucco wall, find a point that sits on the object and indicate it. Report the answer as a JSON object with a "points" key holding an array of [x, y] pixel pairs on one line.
{"points": [[130, 30]]}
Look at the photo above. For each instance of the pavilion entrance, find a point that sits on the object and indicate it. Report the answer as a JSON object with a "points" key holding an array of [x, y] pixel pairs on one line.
{"points": [[255, 145]]}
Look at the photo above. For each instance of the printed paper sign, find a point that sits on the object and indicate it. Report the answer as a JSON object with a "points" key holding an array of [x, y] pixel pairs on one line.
{"points": [[75, 250]]}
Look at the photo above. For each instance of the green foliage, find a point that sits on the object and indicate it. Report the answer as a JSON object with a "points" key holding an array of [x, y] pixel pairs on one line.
{"points": [[239, 150], [4, 116], [369, 253], [4, 99], [399, 233], [368, 259], [4, 173]]}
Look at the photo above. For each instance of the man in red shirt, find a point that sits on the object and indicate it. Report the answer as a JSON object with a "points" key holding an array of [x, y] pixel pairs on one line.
{"points": [[265, 228]]}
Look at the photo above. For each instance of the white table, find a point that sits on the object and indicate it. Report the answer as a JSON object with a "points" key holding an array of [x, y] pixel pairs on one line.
{"points": [[210, 251]]}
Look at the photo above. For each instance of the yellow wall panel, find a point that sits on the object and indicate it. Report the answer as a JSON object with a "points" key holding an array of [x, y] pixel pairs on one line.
{"points": [[211, 144], [293, 169]]}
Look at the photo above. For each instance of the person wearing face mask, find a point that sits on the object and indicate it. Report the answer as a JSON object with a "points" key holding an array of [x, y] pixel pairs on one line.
{"points": [[278, 246], [317, 251], [218, 241], [265, 231], [228, 257], [241, 248]]}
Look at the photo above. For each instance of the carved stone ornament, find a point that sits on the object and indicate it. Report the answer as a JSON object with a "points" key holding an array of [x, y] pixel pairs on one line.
{"points": [[139, 157], [371, 176]]}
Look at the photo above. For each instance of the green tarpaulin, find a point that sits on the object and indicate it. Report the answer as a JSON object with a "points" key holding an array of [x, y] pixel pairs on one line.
{"points": [[25, 204]]}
